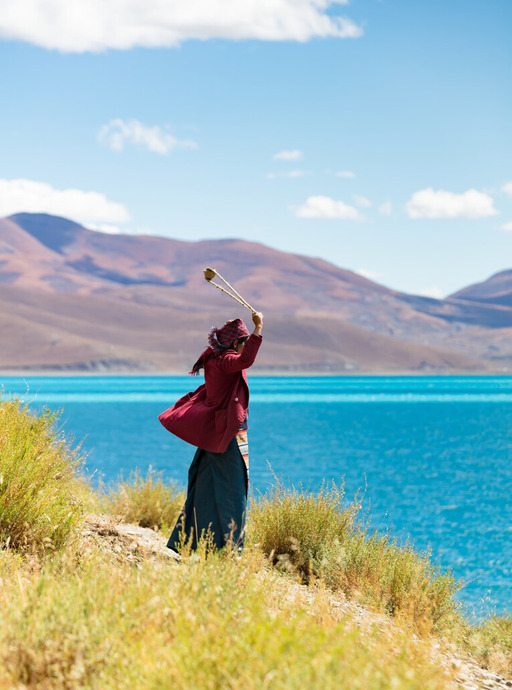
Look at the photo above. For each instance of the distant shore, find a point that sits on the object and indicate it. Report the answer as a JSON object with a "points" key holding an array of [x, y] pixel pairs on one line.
{"points": [[255, 372]]}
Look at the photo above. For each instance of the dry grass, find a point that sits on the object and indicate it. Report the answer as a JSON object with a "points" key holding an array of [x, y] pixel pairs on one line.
{"points": [[320, 536], [490, 643], [146, 501], [39, 480], [208, 623]]}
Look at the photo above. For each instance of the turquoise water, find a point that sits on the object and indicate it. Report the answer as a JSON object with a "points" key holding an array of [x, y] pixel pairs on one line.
{"points": [[431, 454]]}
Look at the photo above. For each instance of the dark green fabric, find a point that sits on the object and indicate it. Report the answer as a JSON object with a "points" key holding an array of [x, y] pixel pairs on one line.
{"points": [[216, 499]]}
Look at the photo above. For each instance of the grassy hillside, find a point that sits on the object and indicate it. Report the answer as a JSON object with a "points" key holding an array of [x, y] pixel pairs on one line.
{"points": [[317, 600]]}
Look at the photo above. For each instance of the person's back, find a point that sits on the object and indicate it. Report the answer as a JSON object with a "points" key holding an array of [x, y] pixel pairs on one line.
{"points": [[222, 373], [220, 383]]}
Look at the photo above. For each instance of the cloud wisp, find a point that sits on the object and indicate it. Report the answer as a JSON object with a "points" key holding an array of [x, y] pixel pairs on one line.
{"points": [[507, 188], [345, 173], [294, 155], [76, 26], [434, 292], [290, 174], [325, 207], [429, 203], [369, 275], [361, 201], [17, 196], [117, 133], [386, 209]]}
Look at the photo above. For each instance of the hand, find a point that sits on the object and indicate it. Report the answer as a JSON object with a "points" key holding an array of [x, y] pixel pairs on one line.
{"points": [[257, 318]]}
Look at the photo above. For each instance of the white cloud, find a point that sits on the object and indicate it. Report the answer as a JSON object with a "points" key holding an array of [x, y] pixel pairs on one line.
{"points": [[370, 275], [386, 209], [361, 201], [507, 226], [79, 26], [325, 207], [17, 196], [114, 230], [144, 230], [345, 173], [292, 173], [507, 188], [118, 132], [429, 203], [434, 292], [105, 228], [294, 155]]}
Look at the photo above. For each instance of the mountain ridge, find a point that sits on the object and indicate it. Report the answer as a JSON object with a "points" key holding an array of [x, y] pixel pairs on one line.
{"points": [[70, 296]]}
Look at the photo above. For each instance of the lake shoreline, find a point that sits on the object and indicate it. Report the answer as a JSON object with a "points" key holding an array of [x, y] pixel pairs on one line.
{"points": [[11, 373]]}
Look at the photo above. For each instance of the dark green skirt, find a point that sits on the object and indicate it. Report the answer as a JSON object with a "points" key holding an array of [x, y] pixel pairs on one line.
{"points": [[216, 500]]}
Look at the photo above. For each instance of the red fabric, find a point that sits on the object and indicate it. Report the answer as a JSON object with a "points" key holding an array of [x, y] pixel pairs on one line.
{"points": [[210, 416], [221, 339]]}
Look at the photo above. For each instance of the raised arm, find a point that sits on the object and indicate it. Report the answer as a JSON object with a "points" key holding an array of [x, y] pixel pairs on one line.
{"points": [[257, 319], [232, 362]]}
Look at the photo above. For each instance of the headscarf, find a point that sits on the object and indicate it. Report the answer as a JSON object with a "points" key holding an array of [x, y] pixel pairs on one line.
{"points": [[220, 339]]}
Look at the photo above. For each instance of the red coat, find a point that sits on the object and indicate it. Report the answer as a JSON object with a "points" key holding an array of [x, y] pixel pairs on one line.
{"points": [[210, 416]]}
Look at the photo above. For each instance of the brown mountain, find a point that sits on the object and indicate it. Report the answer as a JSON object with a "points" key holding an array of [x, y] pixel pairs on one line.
{"points": [[74, 298], [496, 290]]}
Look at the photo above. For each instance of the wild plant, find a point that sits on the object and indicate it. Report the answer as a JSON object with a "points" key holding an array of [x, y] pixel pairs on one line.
{"points": [[40, 481]]}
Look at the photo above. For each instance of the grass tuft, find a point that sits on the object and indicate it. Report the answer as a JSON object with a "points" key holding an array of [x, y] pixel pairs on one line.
{"points": [[320, 535], [146, 501], [39, 480], [491, 643]]}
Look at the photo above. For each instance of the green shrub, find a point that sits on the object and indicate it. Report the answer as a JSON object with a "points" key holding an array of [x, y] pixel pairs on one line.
{"points": [[146, 501], [320, 535], [39, 480]]}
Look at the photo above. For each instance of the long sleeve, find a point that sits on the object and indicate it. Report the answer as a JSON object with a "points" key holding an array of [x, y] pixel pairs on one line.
{"points": [[231, 361]]}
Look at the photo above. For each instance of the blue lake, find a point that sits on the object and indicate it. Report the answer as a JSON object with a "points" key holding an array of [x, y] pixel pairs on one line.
{"points": [[431, 454]]}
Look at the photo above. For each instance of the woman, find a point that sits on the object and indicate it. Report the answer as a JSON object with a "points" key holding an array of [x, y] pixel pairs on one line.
{"points": [[214, 418]]}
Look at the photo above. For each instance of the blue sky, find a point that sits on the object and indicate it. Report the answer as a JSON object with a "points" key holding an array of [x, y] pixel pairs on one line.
{"points": [[374, 134]]}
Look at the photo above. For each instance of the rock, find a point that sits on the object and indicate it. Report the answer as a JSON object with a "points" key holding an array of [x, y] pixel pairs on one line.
{"points": [[126, 541]]}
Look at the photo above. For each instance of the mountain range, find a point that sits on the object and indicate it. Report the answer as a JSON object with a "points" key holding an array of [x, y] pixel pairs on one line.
{"points": [[74, 299]]}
